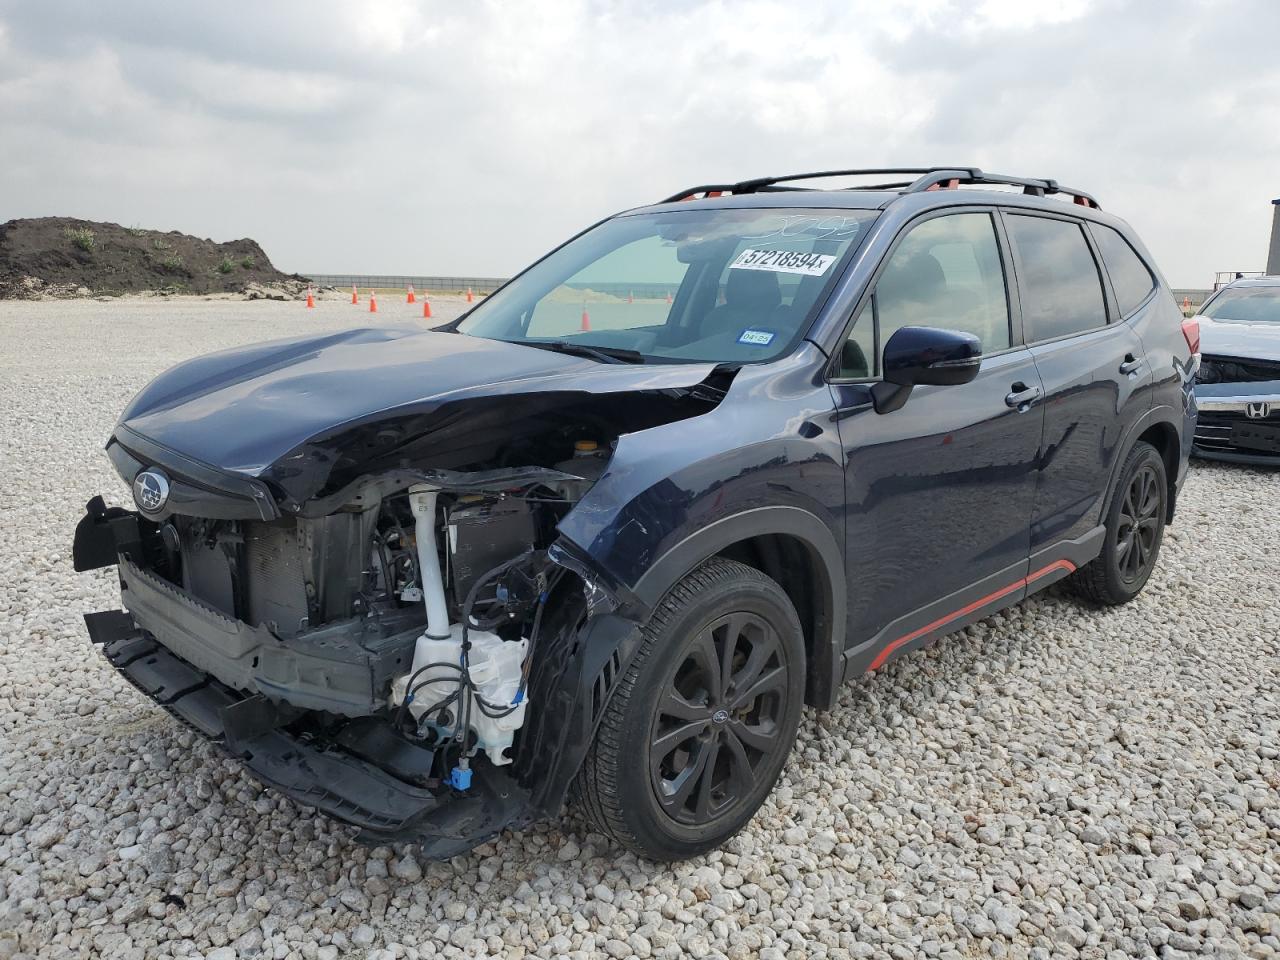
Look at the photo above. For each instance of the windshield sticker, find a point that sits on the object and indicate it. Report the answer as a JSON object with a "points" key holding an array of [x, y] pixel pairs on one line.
{"points": [[757, 338], [784, 261]]}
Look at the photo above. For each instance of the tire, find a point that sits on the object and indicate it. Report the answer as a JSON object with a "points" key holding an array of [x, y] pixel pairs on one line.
{"points": [[1135, 527], [645, 779]]}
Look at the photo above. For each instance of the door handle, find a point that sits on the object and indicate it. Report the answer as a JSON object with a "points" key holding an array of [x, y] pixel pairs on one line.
{"points": [[1130, 365], [1023, 396]]}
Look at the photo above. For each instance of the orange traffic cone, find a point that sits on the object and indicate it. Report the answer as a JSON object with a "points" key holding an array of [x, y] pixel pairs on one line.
{"points": [[668, 296], [426, 306], [311, 299], [631, 297], [373, 301], [411, 298], [1186, 304], [355, 297], [586, 320], [470, 298]]}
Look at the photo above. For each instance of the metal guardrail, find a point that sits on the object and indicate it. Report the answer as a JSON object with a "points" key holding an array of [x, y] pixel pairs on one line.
{"points": [[438, 284], [480, 285], [485, 285], [1223, 277]]}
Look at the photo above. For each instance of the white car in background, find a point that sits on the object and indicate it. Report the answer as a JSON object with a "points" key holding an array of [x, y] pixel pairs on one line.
{"points": [[1238, 386]]}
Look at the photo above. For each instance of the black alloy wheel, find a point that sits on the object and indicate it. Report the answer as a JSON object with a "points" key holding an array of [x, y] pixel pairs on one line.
{"points": [[701, 722], [1141, 521], [720, 719]]}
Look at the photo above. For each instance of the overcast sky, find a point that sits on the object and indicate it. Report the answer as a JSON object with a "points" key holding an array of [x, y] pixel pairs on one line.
{"points": [[394, 136]]}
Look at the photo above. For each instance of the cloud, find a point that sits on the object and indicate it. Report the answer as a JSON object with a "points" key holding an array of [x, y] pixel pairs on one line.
{"points": [[401, 136]]}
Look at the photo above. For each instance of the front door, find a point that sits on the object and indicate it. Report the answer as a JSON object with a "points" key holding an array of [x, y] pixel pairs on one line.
{"points": [[939, 493]]}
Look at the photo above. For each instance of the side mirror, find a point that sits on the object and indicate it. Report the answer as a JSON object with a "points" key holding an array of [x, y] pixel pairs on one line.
{"points": [[924, 355]]}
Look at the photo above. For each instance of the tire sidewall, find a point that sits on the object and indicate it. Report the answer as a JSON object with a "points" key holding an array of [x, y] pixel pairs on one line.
{"points": [[643, 813]]}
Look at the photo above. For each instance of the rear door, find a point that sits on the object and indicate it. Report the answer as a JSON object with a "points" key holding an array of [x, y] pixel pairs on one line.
{"points": [[938, 493], [1095, 376]]}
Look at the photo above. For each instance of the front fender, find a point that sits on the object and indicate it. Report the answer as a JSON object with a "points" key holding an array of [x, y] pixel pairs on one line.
{"points": [[772, 441], [767, 461]]}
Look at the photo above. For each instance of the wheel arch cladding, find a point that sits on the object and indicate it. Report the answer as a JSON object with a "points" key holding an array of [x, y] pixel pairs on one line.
{"points": [[1158, 427], [1164, 437], [798, 551]]}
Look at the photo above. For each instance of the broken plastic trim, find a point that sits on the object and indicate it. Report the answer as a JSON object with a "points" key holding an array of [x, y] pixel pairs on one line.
{"points": [[603, 596], [335, 778]]}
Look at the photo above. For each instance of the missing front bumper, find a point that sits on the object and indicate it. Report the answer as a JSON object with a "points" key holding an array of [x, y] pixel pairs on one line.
{"points": [[328, 776], [344, 666]]}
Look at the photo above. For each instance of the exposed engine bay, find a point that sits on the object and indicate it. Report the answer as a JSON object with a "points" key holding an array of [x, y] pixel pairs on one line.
{"points": [[436, 590], [442, 590], [405, 648]]}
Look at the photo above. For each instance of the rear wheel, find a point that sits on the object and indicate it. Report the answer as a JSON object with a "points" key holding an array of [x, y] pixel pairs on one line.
{"points": [[697, 733], [1135, 529]]}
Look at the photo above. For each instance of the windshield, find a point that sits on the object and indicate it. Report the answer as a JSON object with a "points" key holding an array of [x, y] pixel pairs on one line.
{"points": [[1245, 303], [682, 285]]}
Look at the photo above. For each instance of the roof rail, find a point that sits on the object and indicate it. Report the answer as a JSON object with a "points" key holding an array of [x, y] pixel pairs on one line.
{"points": [[941, 179], [765, 183], [925, 178]]}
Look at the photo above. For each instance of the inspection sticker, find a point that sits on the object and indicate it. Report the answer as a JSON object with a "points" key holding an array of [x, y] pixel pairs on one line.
{"points": [[784, 261], [757, 338]]}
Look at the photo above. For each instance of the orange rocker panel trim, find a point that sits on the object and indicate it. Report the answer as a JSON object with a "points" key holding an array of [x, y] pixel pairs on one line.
{"points": [[1030, 578]]}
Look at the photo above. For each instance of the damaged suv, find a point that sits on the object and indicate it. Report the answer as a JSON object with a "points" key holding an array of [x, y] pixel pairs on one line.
{"points": [[604, 535]]}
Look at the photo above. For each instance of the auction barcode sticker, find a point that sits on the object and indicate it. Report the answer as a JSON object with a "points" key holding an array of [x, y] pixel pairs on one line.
{"points": [[784, 261]]}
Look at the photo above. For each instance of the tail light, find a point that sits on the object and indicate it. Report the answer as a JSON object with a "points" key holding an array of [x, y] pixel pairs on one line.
{"points": [[1191, 333]]}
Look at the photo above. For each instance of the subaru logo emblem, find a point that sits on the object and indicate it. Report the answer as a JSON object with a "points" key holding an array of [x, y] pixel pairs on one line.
{"points": [[1258, 410], [150, 490], [720, 716]]}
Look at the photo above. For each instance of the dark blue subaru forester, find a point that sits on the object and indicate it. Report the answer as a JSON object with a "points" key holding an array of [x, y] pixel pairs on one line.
{"points": [[608, 532]]}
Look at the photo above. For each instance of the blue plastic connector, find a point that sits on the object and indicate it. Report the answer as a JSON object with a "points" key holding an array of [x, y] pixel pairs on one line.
{"points": [[460, 778]]}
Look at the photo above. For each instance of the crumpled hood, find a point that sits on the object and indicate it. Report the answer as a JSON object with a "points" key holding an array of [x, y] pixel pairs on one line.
{"points": [[244, 409], [1259, 340]]}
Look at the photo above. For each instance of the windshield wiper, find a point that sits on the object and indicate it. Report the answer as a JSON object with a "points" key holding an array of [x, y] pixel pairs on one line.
{"points": [[603, 354]]}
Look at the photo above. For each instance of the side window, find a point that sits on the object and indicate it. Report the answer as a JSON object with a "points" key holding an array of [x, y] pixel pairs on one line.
{"points": [[947, 273], [1058, 281], [1130, 278], [858, 355]]}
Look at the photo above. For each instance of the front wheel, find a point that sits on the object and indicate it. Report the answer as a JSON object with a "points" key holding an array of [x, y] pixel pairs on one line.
{"points": [[1135, 529], [698, 731]]}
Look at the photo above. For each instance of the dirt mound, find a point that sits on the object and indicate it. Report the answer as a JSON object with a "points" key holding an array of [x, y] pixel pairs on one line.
{"points": [[64, 257]]}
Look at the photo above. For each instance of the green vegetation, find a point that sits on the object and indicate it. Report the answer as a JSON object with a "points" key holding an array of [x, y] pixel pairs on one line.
{"points": [[227, 265], [136, 231], [80, 237], [172, 262], [249, 261]]}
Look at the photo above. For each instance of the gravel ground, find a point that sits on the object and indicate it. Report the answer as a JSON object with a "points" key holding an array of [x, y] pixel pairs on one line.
{"points": [[1053, 782]]}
